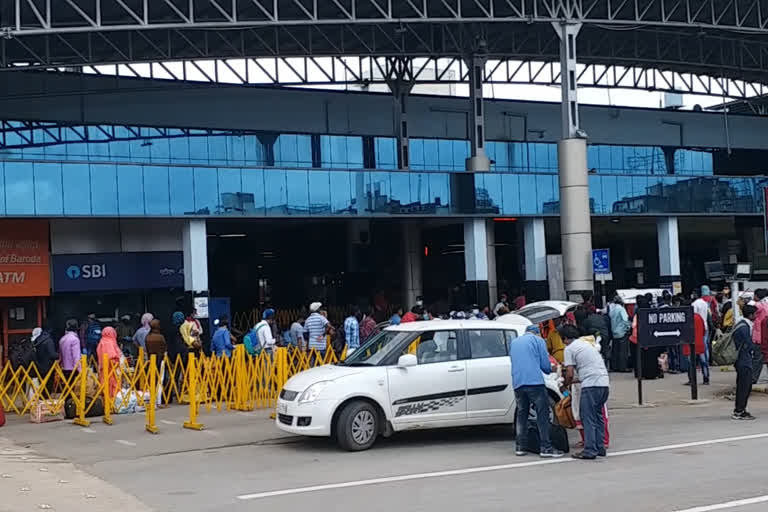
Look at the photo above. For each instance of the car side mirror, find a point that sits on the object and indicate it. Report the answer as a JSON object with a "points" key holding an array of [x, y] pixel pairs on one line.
{"points": [[407, 360]]}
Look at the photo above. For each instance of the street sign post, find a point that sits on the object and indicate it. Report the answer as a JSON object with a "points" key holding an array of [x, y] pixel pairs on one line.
{"points": [[601, 267], [664, 327], [601, 261]]}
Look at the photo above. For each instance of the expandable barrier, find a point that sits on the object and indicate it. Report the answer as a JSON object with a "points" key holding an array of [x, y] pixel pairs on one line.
{"points": [[206, 383]]}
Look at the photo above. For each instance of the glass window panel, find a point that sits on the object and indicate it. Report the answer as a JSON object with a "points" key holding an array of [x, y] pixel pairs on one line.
{"points": [[276, 193], [98, 151], [2, 188], [460, 154], [303, 150], [104, 189], [182, 190], [206, 191], [178, 148], [253, 191], [609, 193], [341, 191], [319, 193], [386, 153], [444, 154], [416, 150], [379, 191], [79, 151], [706, 163], [355, 152], [19, 189], [236, 149], [510, 187], [198, 150], [254, 151], [593, 161], [160, 151], [432, 157], [488, 195], [552, 158], [529, 200], [157, 194], [217, 149], [400, 184], [286, 152], [596, 195], [520, 157], [230, 188], [617, 158], [130, 189], [603, 158], [358, 190], [546, 193], [49, 198], [296, 185], [420, 188], [625, 203], [77, 192], [140, 150], [440, 192]]}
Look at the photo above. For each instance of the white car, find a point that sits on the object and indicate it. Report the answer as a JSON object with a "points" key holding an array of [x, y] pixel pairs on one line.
{"points": [[416, 375]]}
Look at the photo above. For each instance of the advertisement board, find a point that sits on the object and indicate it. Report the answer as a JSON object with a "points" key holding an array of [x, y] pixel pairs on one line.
{"points": [[24, 258]]}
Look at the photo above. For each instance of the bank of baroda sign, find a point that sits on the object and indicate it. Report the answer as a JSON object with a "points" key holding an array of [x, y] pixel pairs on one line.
{"points": [[24, 258]]}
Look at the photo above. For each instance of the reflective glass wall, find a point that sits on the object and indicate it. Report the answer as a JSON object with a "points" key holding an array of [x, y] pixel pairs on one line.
{"points": [[139, 171]]}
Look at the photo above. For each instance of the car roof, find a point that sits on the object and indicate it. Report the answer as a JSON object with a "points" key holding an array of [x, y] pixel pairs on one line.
{"points": [[442, 325]]}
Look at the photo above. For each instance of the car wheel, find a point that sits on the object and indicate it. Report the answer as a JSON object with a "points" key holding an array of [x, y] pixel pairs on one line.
{"points": [[357, 427]]}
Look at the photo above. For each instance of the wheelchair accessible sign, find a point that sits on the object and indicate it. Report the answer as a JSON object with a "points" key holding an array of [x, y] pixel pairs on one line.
{"points": [[601, 261]]}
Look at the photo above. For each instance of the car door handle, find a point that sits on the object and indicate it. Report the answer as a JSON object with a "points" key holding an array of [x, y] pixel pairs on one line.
{"points": [[453, 369]]}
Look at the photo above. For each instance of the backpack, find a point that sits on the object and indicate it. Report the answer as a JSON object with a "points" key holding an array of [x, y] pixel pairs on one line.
{"points": [[724, 350], [21, 353]]}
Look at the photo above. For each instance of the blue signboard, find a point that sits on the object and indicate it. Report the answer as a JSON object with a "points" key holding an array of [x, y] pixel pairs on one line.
{"points": [[117, 271], [601, 261]]}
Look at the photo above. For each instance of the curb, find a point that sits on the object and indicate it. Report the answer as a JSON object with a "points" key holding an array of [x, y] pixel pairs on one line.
{"points": [[760, 388]]}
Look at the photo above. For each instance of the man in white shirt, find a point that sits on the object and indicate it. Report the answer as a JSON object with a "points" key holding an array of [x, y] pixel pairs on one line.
{"points": [[264, 331], [584, 359]]}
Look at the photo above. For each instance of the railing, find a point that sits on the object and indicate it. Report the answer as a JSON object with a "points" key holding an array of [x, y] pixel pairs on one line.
{"points": [[205, 383]]}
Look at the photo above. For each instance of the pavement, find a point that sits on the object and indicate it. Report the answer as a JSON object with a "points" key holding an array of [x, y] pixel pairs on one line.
{"points": [[672, 455]]}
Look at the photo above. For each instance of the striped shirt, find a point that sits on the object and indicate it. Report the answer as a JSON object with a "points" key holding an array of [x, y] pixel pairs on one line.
{"points": [[352, 332], [315, 326]]}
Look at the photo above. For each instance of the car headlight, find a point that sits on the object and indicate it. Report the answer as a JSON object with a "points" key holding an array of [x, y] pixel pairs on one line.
{"points": [[312, 392]]}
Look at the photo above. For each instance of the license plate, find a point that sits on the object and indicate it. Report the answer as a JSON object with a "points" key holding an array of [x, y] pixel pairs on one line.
{"points": [[282, 408]]}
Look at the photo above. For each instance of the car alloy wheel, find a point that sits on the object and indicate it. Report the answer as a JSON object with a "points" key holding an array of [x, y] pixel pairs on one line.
{"points": [[363, 427]]}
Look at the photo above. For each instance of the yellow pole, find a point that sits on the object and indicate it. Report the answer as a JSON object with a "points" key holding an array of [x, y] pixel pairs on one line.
{"points": [[106, 372], [80, 420], [192, 390], [151, 425]]}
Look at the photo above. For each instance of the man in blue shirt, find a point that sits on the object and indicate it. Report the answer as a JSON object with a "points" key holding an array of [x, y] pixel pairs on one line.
{"points": [[530, 362], [221, 343], [352, 331]]}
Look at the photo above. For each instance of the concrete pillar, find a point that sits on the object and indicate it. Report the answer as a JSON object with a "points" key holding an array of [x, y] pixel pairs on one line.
{"points": [[575, 222], [480, 261], [575, 225], [413, 283], [669, 253], [478, 160], [195, 245], [535, 248]]}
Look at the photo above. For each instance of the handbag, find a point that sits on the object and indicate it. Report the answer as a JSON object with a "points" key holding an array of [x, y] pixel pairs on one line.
{"points": [[564, 413]]}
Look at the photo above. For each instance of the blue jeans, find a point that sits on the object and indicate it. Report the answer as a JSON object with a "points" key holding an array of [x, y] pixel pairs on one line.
{"points": [[593, 400], [536, 396]]}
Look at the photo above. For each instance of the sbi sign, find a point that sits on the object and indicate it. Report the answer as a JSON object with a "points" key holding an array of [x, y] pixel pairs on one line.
{"points": [[87, 271]]}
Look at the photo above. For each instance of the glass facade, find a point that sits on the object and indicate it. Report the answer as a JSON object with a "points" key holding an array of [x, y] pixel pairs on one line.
{"points": [[139, 171]]}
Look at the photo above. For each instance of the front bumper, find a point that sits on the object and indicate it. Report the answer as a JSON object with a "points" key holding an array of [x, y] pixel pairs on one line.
{"points": [[291, 415]]}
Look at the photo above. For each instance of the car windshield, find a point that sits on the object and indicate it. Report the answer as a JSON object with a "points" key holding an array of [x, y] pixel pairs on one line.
{"points": [[376, 349], [539, 314]]}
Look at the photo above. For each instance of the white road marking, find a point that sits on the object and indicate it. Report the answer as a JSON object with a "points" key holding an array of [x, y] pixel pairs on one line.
{"points": [[88, 430], [126, 443], [728, 504], [168, 422], [486, 469], [213, 433]]}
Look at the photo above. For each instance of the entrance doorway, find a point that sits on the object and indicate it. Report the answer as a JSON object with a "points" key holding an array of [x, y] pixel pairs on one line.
{"points": [[18, 317]]}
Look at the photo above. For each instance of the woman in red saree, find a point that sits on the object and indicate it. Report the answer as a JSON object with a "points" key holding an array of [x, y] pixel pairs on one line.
{"points": [[108, 346]]}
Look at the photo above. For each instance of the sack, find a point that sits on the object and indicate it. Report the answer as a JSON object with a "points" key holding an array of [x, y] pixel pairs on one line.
{"points": [[724, 351], [564, 413], [97, 409], [22, 353], [557, 434], [44, 411]]}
